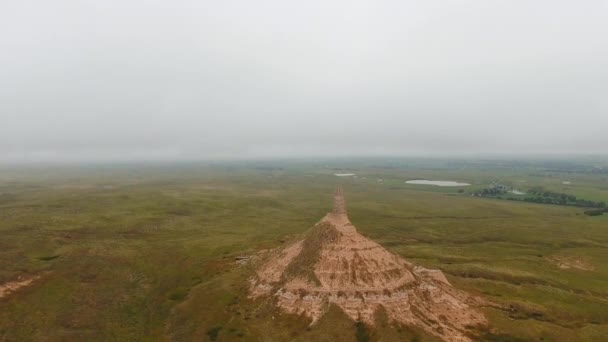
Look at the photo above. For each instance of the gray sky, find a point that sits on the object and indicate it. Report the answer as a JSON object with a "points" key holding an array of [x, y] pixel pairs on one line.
{"points": [[102, 80]]}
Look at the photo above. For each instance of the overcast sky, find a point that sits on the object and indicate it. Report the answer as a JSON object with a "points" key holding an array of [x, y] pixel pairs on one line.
{"points": [[103, 80]]}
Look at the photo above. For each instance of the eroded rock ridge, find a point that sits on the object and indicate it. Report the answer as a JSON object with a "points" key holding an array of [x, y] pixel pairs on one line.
{"points": [[334, 264]]}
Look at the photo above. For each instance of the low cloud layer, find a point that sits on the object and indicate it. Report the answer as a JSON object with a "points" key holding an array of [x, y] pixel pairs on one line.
{"points": [[127, 80]]}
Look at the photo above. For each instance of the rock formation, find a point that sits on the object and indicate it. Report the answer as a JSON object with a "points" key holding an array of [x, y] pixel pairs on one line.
{"points": [[334, 264]]}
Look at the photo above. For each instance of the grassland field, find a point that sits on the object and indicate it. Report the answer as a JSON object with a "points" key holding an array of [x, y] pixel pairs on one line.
{"points": [[146, 252]]}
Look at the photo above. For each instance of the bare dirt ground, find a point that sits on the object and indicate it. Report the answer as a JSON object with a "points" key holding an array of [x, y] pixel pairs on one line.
{"points": [[334, 264], [565, 263], [10, 287]]}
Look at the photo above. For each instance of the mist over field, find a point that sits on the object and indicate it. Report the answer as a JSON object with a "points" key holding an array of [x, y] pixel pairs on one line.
{"points": [[152, 80], [304, 171]]}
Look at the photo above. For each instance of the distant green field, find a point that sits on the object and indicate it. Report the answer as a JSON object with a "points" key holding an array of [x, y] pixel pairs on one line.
{"points": [[147, 252]]}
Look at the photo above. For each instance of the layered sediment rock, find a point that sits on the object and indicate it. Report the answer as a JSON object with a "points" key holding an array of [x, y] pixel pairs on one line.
{"points": [[334, 264]]}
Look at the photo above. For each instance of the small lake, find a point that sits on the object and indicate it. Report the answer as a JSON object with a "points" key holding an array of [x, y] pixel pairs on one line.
{"points": [[344, 174], [437, 183]]}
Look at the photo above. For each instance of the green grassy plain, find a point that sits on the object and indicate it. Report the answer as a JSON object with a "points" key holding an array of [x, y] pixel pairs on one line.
{"points": [[147, 252]]}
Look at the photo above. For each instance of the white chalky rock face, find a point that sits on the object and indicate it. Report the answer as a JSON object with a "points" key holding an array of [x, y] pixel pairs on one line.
{"points": [[334, 264]]}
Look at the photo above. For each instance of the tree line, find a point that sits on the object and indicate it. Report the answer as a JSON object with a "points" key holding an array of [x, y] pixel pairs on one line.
{"points": [[540, 195]]}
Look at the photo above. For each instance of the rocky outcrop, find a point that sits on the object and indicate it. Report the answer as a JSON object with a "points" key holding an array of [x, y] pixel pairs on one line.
{"points": [[334, 264]]}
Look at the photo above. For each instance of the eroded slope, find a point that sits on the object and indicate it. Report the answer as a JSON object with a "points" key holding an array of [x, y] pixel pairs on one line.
{"points": [[334, 264]]}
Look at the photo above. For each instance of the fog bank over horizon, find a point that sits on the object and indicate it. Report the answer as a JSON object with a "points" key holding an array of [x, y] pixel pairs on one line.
{"points": [[188, 80]]}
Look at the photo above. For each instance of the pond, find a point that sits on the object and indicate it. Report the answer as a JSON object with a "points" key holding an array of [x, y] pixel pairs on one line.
{"points": [[344, 174], [437, 183]]}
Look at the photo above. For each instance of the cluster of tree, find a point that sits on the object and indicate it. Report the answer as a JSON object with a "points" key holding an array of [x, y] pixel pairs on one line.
{"points": [[596, 212], [543, 196], [540, 195], [490, 192], [563, 201], [495, 190], [540, 192]]}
